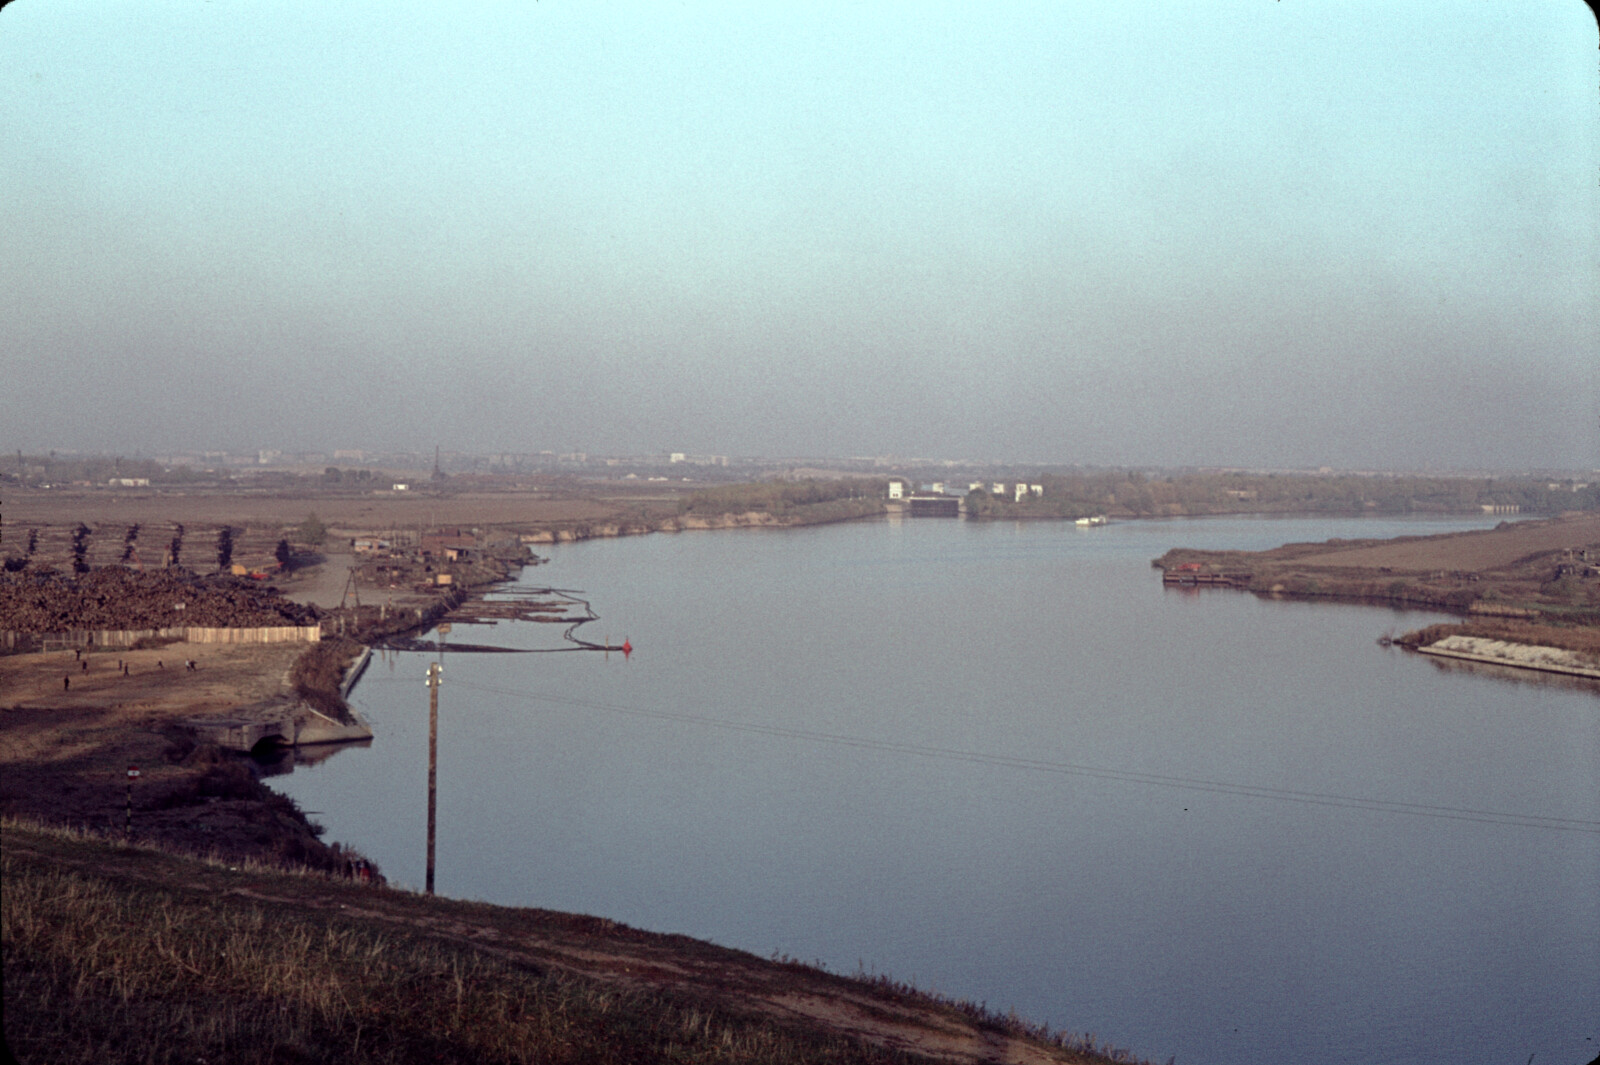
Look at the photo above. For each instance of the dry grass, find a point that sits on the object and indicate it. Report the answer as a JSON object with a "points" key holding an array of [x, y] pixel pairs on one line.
{"points": [[118, 953], [99, 970], [318, 673]]}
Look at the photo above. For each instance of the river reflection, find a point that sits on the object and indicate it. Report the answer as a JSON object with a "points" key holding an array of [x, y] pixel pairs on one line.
{"points": [[1512, 675], [1000, 761], [281, 761]]}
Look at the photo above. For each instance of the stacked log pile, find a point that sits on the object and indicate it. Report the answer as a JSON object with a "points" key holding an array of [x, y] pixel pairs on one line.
{"points": [[107, 544], [117, 598]]}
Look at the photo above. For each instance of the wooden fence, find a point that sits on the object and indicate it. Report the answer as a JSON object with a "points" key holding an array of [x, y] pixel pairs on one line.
{"points": [[271, 634], [60, 641]]}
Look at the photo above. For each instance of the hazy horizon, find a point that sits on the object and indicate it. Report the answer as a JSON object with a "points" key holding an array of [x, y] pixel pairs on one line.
{"points": [[1270, 234], [696, 466]]}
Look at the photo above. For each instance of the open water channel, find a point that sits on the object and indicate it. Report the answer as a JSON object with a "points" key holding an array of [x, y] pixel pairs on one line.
{"points": [[1002, 762]]}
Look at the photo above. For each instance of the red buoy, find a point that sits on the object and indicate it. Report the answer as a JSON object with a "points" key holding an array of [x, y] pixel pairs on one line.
{"points": [[627, 647]]}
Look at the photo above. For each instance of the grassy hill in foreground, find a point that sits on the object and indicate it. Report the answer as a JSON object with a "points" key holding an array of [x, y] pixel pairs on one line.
{"points": [[116, 952]]}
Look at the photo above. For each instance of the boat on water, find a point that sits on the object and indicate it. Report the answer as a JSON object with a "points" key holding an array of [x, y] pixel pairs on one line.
{"points": [[1098, 519]]}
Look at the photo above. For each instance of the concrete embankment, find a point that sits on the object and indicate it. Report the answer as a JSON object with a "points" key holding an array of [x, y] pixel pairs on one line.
{"points": [[301, 726], [353, 674], [1519, 655], [286, 722]]}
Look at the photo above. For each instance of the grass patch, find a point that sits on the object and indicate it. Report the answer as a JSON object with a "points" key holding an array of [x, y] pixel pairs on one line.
{"points": [[103, 970]]}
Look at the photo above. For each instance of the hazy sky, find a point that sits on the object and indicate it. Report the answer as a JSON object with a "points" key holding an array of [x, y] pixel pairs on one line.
{"points": [[1254, 232]]}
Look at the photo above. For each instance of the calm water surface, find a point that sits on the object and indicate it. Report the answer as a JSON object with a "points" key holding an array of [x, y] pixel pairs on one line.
{"points": [[1001, 761]]}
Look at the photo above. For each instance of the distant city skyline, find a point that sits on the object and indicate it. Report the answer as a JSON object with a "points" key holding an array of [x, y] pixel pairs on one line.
{"points": [[531, 461], [1256, 235]]}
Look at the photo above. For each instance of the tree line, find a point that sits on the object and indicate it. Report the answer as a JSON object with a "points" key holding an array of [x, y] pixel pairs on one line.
{"points": [[1132, 493]]}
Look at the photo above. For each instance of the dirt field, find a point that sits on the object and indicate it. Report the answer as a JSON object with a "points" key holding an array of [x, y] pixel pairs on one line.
{"points": [[65, 752], [1490, 549], [224, 675], [1532, 570]]}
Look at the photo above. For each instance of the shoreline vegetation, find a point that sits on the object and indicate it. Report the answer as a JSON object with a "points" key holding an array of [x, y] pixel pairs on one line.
{"points": [[91, 916], [1116, 495]]}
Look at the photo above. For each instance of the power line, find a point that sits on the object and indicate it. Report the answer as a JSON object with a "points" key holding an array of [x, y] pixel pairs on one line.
{"points": [[1454, 813]]}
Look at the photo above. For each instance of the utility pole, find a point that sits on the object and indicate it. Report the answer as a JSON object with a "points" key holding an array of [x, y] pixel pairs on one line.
{"points": [[127, 824], [351, 590], [434, 670]]}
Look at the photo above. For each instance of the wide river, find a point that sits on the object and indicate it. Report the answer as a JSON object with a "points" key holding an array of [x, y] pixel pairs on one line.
{"points": [[1001, 762]]}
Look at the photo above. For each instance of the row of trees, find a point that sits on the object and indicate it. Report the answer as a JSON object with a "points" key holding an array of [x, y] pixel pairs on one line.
{"points": [[333, 475], [1132, 493], [779, 497], [96, 470], [1135, 494]]}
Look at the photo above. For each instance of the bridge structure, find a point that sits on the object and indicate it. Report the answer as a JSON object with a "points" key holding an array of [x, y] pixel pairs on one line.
{"points": [[934, 506], [277, 725], [246, 734]]}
